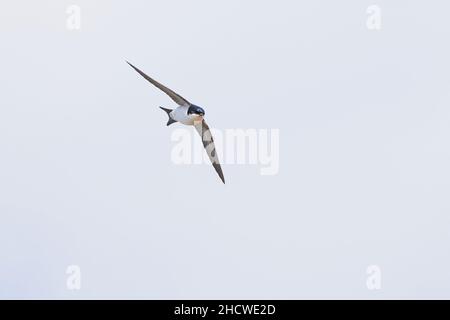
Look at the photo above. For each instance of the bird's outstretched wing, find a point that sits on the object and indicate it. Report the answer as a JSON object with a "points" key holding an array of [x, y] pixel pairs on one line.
{"points": [[208, 142], [174, 96]]}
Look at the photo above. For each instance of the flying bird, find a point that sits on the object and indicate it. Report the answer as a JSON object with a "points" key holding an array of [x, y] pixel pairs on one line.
{"points": [[191, 115]]}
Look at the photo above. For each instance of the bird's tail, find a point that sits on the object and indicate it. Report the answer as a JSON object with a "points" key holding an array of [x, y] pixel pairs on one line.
{"points": [[168, 111]]}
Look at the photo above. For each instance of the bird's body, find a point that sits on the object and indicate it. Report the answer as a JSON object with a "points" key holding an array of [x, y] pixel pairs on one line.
{"points": [[190, 115], [181, 115]]}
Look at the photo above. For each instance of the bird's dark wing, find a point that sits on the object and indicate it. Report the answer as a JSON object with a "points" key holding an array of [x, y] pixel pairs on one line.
{"points": [[208, 142], [174, 96]]}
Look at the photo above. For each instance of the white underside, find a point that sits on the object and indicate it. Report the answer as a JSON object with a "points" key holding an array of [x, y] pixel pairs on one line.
{"points": [[180, 114]]}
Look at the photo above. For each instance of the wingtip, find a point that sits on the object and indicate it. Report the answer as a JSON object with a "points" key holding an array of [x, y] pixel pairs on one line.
{"points": [[129, 63]]}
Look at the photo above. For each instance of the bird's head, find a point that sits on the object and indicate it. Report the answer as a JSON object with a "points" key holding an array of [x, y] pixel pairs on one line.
{"points": [[196, 111]]}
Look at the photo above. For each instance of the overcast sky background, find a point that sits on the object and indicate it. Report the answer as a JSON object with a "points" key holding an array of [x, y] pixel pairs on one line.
{"points": [[85, 171]]}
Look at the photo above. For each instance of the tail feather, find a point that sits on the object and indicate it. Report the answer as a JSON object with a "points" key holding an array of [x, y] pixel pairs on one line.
{"points": [[168, 111]]}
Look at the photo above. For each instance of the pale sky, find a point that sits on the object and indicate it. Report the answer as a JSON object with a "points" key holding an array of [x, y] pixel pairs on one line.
{"points": [[86, 176]]}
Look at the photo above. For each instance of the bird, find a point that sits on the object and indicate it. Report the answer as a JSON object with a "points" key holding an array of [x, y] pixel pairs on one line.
{"points": [[191, 115]]}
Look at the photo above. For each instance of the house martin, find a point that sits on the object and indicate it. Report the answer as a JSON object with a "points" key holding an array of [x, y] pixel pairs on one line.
{"points": [[190, 115]]}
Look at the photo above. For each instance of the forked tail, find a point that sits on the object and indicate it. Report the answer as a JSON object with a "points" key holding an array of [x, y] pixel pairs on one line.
{"points": [[168, 111]]}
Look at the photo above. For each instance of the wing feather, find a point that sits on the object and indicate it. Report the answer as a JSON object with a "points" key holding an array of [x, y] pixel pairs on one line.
{"points": [[173, 95], [208, 143]]}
